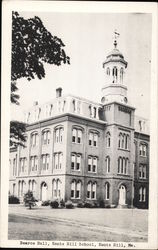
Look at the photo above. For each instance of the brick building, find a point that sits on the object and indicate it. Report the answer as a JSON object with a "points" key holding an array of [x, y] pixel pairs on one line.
{"points": [[81, 150]]}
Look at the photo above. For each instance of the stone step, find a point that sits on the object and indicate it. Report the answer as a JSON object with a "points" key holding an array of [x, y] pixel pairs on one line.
{"points": [[122, 206]]}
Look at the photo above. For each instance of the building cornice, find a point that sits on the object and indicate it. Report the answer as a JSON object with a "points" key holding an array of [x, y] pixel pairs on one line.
{"points": [[66, 117]]}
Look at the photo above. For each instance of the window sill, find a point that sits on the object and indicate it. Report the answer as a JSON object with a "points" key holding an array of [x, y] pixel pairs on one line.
{"points": [[123, 149], [144, 156], [90, 172], [77, 143], [127, 175]]}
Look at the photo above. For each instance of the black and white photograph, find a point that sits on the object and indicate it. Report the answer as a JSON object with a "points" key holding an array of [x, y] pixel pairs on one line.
{"points": [[78, 130]]}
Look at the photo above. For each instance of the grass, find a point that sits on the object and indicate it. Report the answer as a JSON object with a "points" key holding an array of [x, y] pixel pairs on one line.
{"points": [[78, 224]]}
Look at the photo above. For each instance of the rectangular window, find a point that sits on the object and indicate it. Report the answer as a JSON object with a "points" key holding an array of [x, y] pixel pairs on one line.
{"points": [[56, 161], [74, 133], [88, 194], [94, 165], [95, 142], [48, 137], [47, 161], [78, 162], [77, 194], [90, 139], [72, 193], [57, 135], [140, 171], [61, 135], [36, 163], [144, 172], [60, 160], [45, 138], [89, 164], [79, 136], [73, 162]]}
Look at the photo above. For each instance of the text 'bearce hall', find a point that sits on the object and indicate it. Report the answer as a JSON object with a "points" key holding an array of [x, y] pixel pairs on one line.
{"points": [[80, 150]]}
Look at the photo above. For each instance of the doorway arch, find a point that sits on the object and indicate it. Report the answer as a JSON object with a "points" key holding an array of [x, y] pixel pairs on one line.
{"points": [[44, 191], [122, 195]]}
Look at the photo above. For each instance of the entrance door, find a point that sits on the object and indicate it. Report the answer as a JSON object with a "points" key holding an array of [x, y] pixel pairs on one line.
{"points": [[44, 189], [122, 195]]}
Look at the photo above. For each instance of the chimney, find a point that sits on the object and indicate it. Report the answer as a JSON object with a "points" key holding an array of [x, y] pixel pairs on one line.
{"points": [[35, 103], [58, 92]]}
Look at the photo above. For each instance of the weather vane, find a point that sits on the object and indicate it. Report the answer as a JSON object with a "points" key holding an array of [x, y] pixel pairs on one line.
{"points": [[116, 35]]}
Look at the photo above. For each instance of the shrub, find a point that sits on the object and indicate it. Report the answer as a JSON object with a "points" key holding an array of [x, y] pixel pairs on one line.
{"points": [[80, 204], [88, 204], [62, 203], [13, 200], [107, 206], [46, 203], [95, 204], [29, 199], [102, 204], [69, 204], [54, 204]]}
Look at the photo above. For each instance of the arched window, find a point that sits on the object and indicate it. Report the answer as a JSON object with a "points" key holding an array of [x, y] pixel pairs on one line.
{"points": [[46, 137], [114, 73], [94, 187], [78, 190], [59, 134], [123, 141], [93, 138], [33, 186], [74, 106], [75, 189], [77, 135], [34, 139], [126, 166], [78, 164], [119, 164], [107, 191], [143, 149], [108, 71], [123, 165], [54, 191], [14, 186], [108, 140], [89, 190], [144, 194], [121, 75], [107, 164], [119, 141], [59, 188], [140, 193], [30, 185]]}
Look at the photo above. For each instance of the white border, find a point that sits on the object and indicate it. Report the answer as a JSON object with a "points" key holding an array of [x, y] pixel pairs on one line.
{"points": [[72, 6]]}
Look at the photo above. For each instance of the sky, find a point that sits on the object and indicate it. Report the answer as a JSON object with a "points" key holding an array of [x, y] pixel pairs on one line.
{"points": [[88, 38]]}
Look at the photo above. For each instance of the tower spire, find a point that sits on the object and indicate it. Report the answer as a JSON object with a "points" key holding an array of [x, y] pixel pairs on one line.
{"points": [[116, 35]]}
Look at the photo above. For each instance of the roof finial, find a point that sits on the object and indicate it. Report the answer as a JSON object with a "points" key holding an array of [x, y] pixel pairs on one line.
{"points": [[116, 35]]}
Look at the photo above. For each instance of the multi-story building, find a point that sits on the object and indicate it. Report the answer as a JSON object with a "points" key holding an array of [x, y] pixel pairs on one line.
{"points": [[81, 150]]}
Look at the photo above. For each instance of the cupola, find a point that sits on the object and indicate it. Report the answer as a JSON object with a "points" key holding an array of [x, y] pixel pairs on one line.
{"points": [[114, 66]]}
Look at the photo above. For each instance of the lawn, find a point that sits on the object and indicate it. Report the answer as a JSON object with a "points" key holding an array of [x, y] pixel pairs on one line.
{"points": [[82, 224]]}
